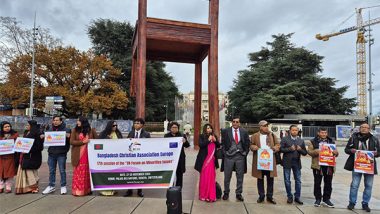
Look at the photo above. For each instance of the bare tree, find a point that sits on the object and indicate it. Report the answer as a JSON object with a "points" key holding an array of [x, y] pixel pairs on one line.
{"points": [[16, 41]]}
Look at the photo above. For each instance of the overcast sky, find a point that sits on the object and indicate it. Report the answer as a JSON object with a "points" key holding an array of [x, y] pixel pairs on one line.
{"points": [[244, 27]]}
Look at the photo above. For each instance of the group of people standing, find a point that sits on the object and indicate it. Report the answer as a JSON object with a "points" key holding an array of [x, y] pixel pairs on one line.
{"points": [[25, 165], [236, 144]]}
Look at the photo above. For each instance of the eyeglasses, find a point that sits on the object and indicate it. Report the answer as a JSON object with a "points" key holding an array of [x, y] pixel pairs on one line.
{"points": [[114, 125], [175, 127], [234, 121]]}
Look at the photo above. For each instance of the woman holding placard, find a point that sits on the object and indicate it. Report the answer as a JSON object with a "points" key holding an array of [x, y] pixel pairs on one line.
{"points": [[206, 163], [29, 163], [80, 137], [7, 161]]}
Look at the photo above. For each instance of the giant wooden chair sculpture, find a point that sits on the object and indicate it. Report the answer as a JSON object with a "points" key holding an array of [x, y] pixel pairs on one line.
{"points": [[175, 41]]}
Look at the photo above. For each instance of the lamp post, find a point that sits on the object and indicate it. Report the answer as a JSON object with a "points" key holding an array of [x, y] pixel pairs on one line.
{"points": [[33, 65], [166, 122], [166, 110]]}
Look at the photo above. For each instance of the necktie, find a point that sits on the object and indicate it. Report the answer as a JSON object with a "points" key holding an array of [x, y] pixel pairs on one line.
{"points": [[236, 137], [137, 135]]}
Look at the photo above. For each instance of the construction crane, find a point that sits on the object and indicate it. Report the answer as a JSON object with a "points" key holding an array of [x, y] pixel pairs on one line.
{"points": [[360, 55]]}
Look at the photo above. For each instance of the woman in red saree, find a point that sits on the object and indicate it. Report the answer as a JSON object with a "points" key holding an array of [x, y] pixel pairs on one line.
{"points": [[206, 163], [80, 137]]}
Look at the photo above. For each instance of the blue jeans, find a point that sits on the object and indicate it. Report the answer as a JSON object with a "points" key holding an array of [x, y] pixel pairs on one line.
{"points": [[52, 162], [288, 184], [368, 181]]}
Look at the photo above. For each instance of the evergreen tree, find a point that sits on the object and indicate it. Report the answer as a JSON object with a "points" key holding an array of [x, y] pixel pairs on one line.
{"points": [[285, 79]]}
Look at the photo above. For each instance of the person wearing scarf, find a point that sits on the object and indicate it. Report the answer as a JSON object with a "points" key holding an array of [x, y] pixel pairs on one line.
{"points": [[363, 140], [7, 162], [206, 164]]}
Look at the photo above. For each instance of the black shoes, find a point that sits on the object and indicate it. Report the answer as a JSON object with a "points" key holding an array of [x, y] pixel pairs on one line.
{"points": [[239, 197], [225, 196], [289, 201], [351, 206], [271, 200], [260, 200], [317, 203], [298, 201], [128, 193], [366, 207], [328, 203]]}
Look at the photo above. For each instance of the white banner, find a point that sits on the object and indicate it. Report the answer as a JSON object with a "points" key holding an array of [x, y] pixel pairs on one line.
{"points": [[6, 146], [133, 163], [23, 144], [55, 138]]}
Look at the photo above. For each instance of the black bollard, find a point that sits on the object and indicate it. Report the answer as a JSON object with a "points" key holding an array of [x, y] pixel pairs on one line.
{"points": [[174, 200]]}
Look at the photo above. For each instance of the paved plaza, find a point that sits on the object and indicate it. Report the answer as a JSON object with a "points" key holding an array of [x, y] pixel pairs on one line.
{"points": [[154, 201]]}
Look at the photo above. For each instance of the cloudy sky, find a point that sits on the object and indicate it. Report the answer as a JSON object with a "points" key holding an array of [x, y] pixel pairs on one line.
{"points": [[244, 27]]}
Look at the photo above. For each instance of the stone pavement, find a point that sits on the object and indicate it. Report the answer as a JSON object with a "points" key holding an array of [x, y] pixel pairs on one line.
{"points": [[154, 201]]}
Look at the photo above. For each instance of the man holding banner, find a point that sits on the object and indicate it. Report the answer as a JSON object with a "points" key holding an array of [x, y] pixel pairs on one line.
{"points": [[323, 152], [58, 140], [362, 147], [137, 132], [263, 145]]}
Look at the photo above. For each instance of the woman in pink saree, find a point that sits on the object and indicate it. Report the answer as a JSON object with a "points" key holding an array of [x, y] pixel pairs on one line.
{"points": [[206, 163], [80, 137]]}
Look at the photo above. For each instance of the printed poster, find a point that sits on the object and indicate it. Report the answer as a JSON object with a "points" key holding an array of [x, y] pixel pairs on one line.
{"points": [[326, 156], [7, 146], [23, 144], [55, 138], [265, 159], [364, 162]]}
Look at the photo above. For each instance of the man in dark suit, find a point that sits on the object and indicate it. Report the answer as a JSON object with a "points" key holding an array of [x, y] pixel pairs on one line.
{"points": [[235, 142], [137, 132]]}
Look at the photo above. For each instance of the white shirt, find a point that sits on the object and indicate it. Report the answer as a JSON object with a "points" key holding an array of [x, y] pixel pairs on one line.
{"points": [[263, 140], [139, 133]]}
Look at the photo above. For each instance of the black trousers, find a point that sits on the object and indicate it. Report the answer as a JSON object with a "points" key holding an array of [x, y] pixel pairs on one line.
{"points": [[179, 178], [327, 187], [260, 185]]}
